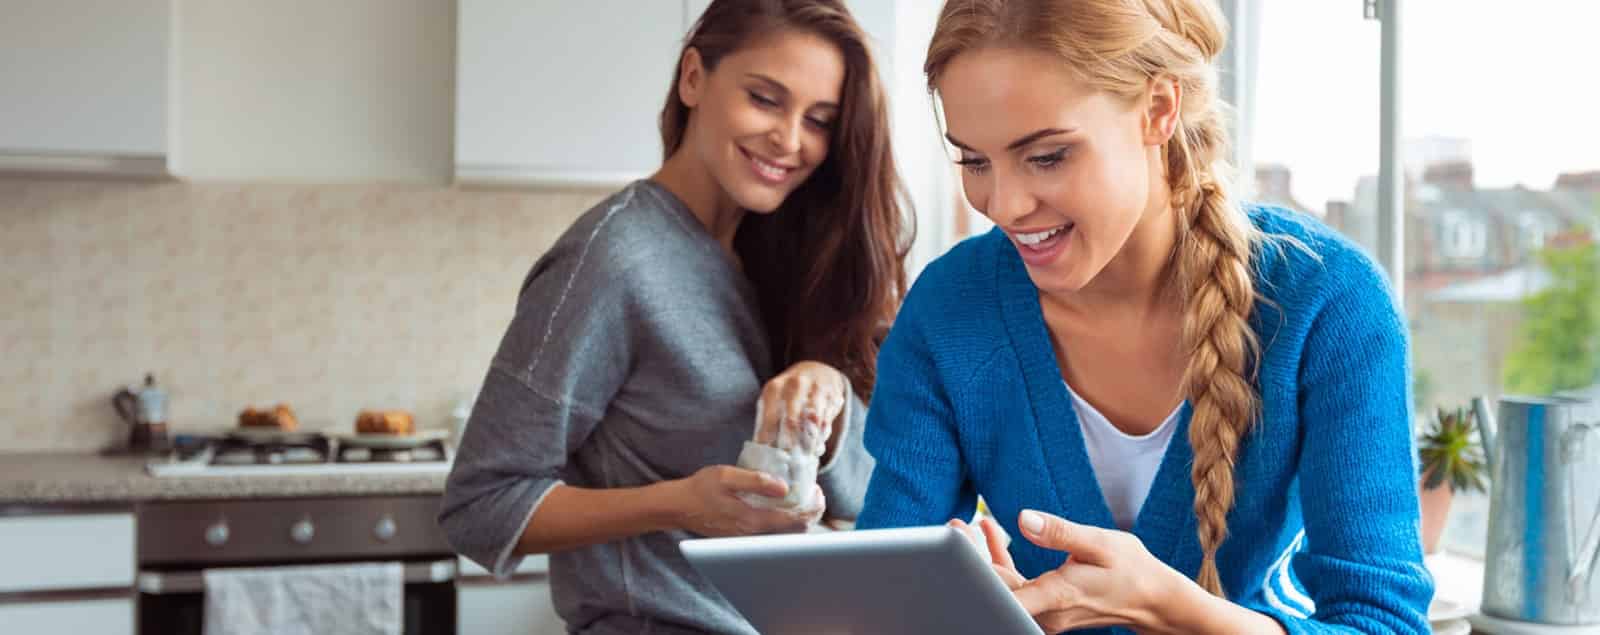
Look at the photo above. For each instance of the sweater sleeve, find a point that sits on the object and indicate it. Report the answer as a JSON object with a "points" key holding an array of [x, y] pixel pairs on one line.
{"points": [[559, 365], [1357, 476], [920, 478]]}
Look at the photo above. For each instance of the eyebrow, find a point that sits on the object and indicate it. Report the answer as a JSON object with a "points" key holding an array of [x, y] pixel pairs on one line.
{"points": [[1025, 140], [785, 89]]}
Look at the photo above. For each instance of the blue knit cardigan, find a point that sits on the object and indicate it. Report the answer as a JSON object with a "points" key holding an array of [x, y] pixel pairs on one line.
{"points": [[1323, 536]]}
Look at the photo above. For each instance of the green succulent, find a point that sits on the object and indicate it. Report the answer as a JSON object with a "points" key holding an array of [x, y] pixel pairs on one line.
{"points": [[1450, 452]]}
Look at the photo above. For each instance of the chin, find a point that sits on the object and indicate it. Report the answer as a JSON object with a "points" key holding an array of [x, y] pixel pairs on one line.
{"points": [[758, 198], [1057, 279]]}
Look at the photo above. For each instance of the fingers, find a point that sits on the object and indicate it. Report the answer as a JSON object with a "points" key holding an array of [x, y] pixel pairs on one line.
{"points": [[1046, 593], [769, 412], [796, 396], [969, 531], [786, 520], [735, 479], [1085, 543], [995, 538], [799, 406], [1009, 576]]}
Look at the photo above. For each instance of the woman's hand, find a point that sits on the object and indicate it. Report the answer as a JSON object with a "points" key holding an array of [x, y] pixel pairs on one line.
{"points": [[990, 538], [808, 397], [1109, 579], [708, 503]]}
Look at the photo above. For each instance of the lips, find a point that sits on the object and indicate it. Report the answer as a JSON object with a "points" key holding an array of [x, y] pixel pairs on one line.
{"points": [[769, 171], [1042, 246], [1035, 238]]}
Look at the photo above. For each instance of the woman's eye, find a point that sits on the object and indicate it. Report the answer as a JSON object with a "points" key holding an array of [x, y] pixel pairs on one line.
{"points": [[762, 100], [974, 166], [1048, 160], [820, 124]]}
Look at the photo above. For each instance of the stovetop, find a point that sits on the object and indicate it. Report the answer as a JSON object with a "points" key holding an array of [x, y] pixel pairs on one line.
{"points": [[298, 454]]}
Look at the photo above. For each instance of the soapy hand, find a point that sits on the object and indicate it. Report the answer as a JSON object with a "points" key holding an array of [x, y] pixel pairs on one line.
{"points": [[713, 503], [798, 408]]}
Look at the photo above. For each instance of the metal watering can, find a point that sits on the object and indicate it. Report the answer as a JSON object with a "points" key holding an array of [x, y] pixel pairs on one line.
{"points": [[1544, 509]]}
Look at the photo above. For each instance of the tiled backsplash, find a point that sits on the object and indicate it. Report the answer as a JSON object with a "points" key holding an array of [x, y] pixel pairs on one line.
{"points": [[328, 298]]}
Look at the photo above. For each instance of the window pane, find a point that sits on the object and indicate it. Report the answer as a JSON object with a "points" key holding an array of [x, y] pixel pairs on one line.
{"points": [[1313, 126], [1501, 207]]}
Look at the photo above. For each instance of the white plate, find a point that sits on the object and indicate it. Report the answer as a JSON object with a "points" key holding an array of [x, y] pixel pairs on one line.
{"points": [[1452, 627], [1497, 626], [391, 441], [1445, 610], [272, 435]]}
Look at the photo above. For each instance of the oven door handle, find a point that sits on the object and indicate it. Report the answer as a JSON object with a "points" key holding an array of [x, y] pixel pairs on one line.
{"points": [[177, 582]]}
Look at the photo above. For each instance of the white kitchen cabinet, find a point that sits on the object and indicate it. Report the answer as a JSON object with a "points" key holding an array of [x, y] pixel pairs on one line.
{"points": [[507, 608], [110, 616], [519, 606], [562, 92], [84, 85], [67, 573], [53, 552]]}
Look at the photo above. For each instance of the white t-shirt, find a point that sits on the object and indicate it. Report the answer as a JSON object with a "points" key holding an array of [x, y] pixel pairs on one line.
{"points": [[1125, 465]]}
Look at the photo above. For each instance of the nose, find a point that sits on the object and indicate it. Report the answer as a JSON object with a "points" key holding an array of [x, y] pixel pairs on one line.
{"points": [[1008, 201], [785, 135]]}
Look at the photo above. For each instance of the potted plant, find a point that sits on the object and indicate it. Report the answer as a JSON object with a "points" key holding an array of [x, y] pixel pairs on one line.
{"points": [[1452, 461]]}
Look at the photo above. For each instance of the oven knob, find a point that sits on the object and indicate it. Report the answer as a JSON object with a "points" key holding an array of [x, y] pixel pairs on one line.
{"points": [[217, 534], [386, 529], [302, 531]]}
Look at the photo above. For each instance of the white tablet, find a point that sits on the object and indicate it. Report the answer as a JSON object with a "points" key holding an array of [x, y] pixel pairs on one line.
{"points": [[881, 581]]}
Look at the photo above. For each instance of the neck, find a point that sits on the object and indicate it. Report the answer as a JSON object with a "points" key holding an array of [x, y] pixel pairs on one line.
{"points": [[693, 184]]}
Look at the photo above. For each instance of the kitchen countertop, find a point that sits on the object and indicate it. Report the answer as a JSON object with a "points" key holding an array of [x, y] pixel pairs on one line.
{"points": [[72, 478]]}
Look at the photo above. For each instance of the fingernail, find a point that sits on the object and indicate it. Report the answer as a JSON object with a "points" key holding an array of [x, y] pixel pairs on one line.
{"points": [[1031, 521]]}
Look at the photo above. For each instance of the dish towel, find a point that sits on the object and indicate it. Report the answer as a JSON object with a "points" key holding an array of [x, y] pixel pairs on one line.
{"points": [[350, 599]]}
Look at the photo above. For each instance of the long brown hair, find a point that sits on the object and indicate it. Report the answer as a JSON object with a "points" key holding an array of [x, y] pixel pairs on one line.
{"points": [[1120, 46], [829, 266]]}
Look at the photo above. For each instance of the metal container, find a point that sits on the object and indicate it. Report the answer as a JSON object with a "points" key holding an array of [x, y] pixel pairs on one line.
{"points": [[1544, 510]]}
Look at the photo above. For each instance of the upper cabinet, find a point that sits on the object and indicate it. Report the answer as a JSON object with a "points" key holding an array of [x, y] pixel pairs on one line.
{"points": [[569, 93], [562, 93], [84, 85]]}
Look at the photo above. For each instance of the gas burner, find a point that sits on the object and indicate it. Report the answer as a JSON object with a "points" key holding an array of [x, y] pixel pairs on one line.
{"points": [[301, 453], [431, 451]]}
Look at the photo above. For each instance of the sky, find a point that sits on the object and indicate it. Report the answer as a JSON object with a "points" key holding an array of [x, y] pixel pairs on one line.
{"points": [[1516, 79]]}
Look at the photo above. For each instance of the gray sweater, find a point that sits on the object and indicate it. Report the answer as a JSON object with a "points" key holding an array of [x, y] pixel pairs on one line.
{"points": [[635, 356]]}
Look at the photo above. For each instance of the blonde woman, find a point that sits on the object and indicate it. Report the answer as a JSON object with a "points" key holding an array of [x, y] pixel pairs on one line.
{"points": [[1203, 403]]}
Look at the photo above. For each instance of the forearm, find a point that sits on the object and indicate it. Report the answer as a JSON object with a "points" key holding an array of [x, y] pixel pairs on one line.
{"points": [[1194, 611], [572, 517]]}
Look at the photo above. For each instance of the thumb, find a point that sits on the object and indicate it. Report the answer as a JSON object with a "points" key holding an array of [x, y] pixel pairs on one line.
{"points": [[1083, 542]]}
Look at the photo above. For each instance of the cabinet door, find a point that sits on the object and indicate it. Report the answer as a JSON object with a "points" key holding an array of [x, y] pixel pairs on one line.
{"points": [[66, 551], [509, 608], [562, 92], [113, 616], [84, 77]]}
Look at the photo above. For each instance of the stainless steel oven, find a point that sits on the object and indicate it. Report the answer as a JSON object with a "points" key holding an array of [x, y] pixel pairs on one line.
{"points": [[178, 541]]}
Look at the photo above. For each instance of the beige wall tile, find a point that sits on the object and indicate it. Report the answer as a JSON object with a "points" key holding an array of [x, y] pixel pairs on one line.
{"points": [[329, 298]]}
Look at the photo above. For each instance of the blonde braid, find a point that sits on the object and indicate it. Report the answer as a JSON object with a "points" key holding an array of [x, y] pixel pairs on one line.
{"points": [[1213, 259]]}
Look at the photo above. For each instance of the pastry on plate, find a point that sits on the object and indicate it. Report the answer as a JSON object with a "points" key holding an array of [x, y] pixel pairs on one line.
{"points": [[280, 417], [384, 422]]}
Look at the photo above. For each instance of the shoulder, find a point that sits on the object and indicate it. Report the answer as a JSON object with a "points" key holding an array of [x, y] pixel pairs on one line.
{"points": [[959, 286], [623, 243], [954, 314], [1303, 265]]}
